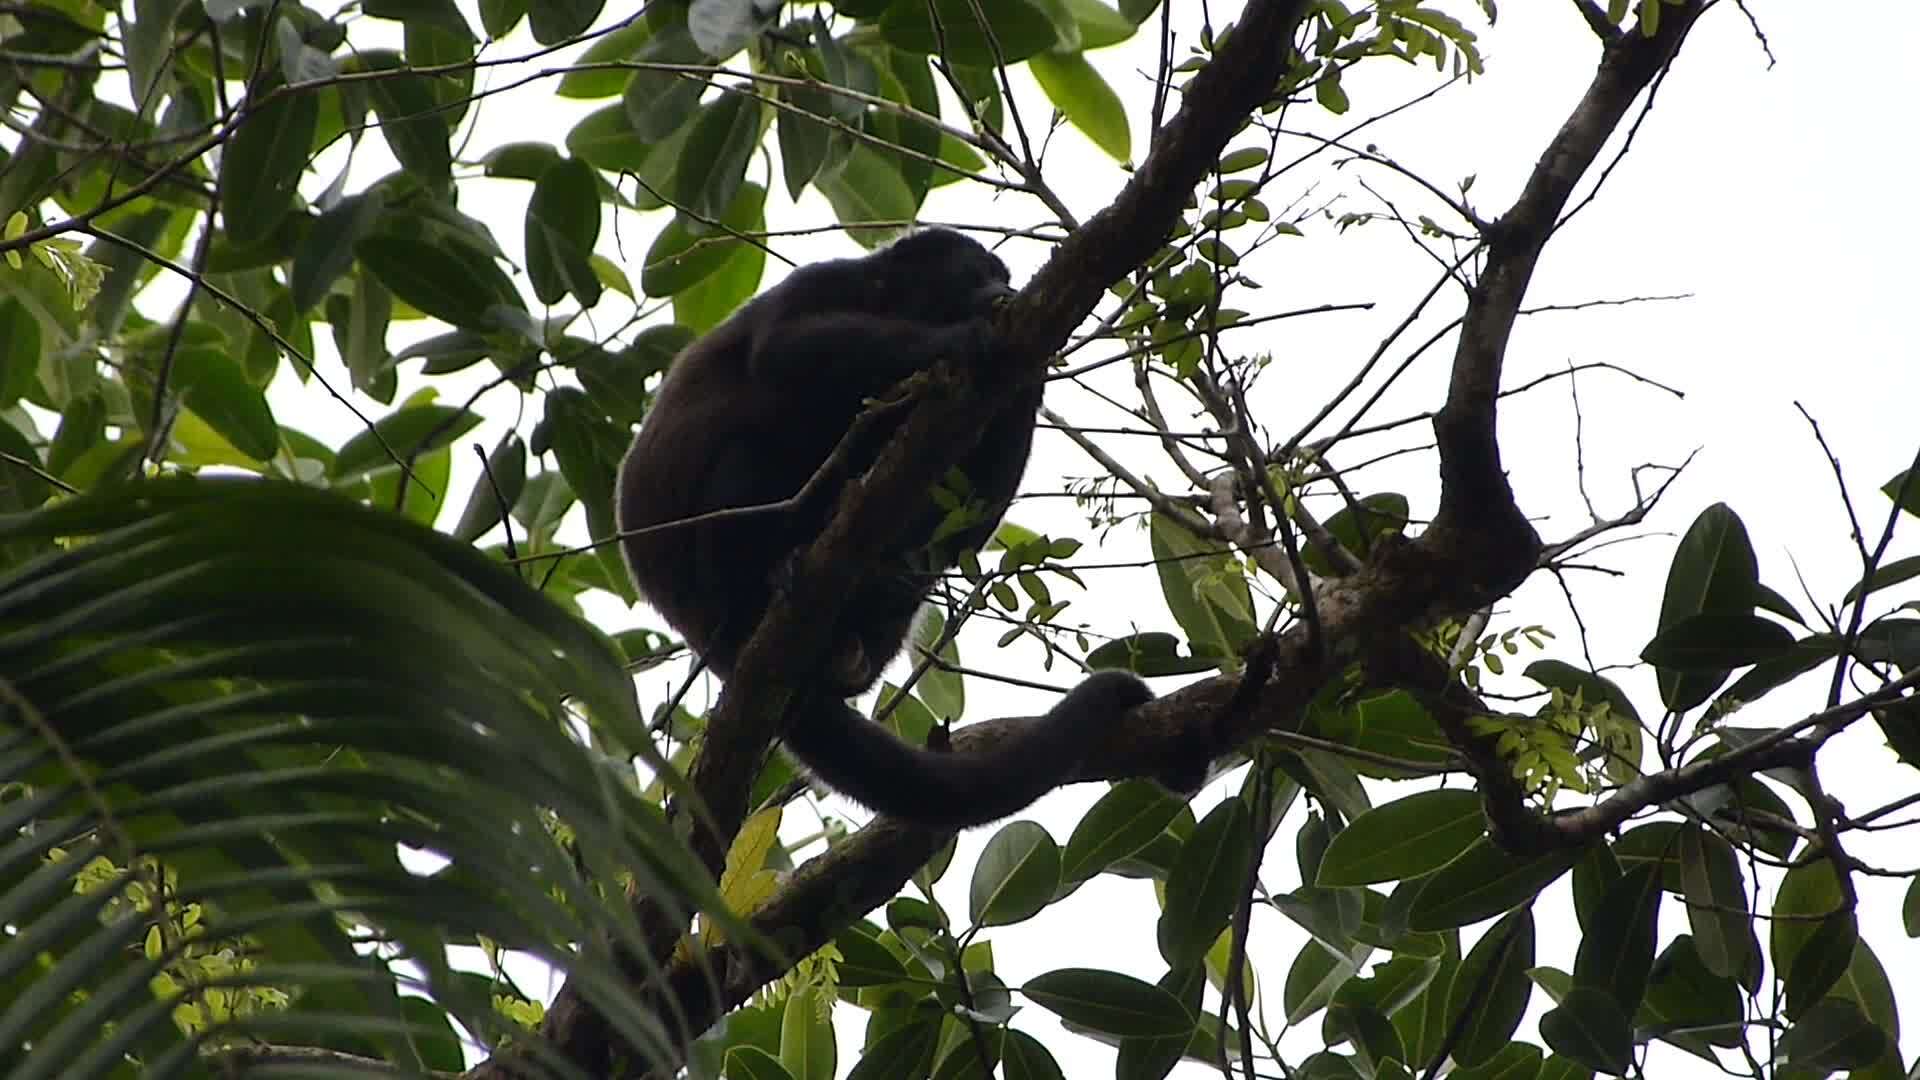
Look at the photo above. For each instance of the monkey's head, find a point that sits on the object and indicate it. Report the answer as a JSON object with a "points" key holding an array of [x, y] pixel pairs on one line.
{"points": [[939, 276]]}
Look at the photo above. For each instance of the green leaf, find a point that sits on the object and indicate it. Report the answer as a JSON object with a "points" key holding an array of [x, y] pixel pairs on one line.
{"points": [[658, 103], [1904, 491], [1205, 590], [1498, 962], [713, 164], [496, 489], [19, 352], [1833, 1034], [1110, 1002], [1016, 876], [707, 303], [555, 21], [410, 117], [1617, 952], [866, 187], [1127, 818], [562, 225], [326, 251], [606, 140], [1589, 1028], [1100, 25], [1086, 100], [1515, 1060], [1808, 894], [1207, 882], [686, 252], [904, 1051], [623, 43], [1690, 1006], [444, 272], [1413, 836], [1025, 1058], [866, 962], [1820, 961], [807, 1048], [1713, 572], [410, 430], [218, 392], [1712, 642], [499, 17], [263, 164], [1716, 893], [1019, 29], [1482, 883], [751, 1062], [438, 13]]}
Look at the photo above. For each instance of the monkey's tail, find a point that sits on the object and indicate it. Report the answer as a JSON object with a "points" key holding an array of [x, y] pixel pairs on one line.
{"points": [[869, 764]]}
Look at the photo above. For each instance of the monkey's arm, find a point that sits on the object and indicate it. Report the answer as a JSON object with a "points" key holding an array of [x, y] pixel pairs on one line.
{"points": [[858, 352]]}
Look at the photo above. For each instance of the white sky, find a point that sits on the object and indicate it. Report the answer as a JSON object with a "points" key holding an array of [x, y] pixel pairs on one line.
{"points": [[1773, 196]]}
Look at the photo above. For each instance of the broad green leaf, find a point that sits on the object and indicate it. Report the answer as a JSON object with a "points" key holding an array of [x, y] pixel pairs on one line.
{"points": [[753, 1063], [806, 1038], [1808, 894], [1713, 572], [708, 302], [1015, 30], [1413, 836], [1482, 883], [442, 271], [1715, 642], [263, 164], [1207, 881], [1110, 1002], [19, 352], [686, 252], [1126, 819], [865, 188], [713, 163], [326, 251], [1497, 964], [1024, 1057], [495, 489], [414, 429], [219, 393], [1205, 589], [1833, 1034], [1589, 1028], [609, 48], [562, 225], [1692, 1007], [1016, 876], [554, 21], [410, 118], [1100, 25], [1616, 954], [658, 103], [865, 962], [904, 1051], [1716, 893], [606, 140], [1086, 100]]}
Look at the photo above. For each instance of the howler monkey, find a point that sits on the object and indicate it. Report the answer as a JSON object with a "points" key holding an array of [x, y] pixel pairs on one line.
{"points": [[746, 415]]}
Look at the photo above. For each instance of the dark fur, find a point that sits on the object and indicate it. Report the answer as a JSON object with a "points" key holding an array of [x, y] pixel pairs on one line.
{"points": [[746, 415]]}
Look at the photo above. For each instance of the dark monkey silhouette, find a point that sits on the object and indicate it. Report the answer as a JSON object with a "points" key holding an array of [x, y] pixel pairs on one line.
{"points": [[747, 414]]}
